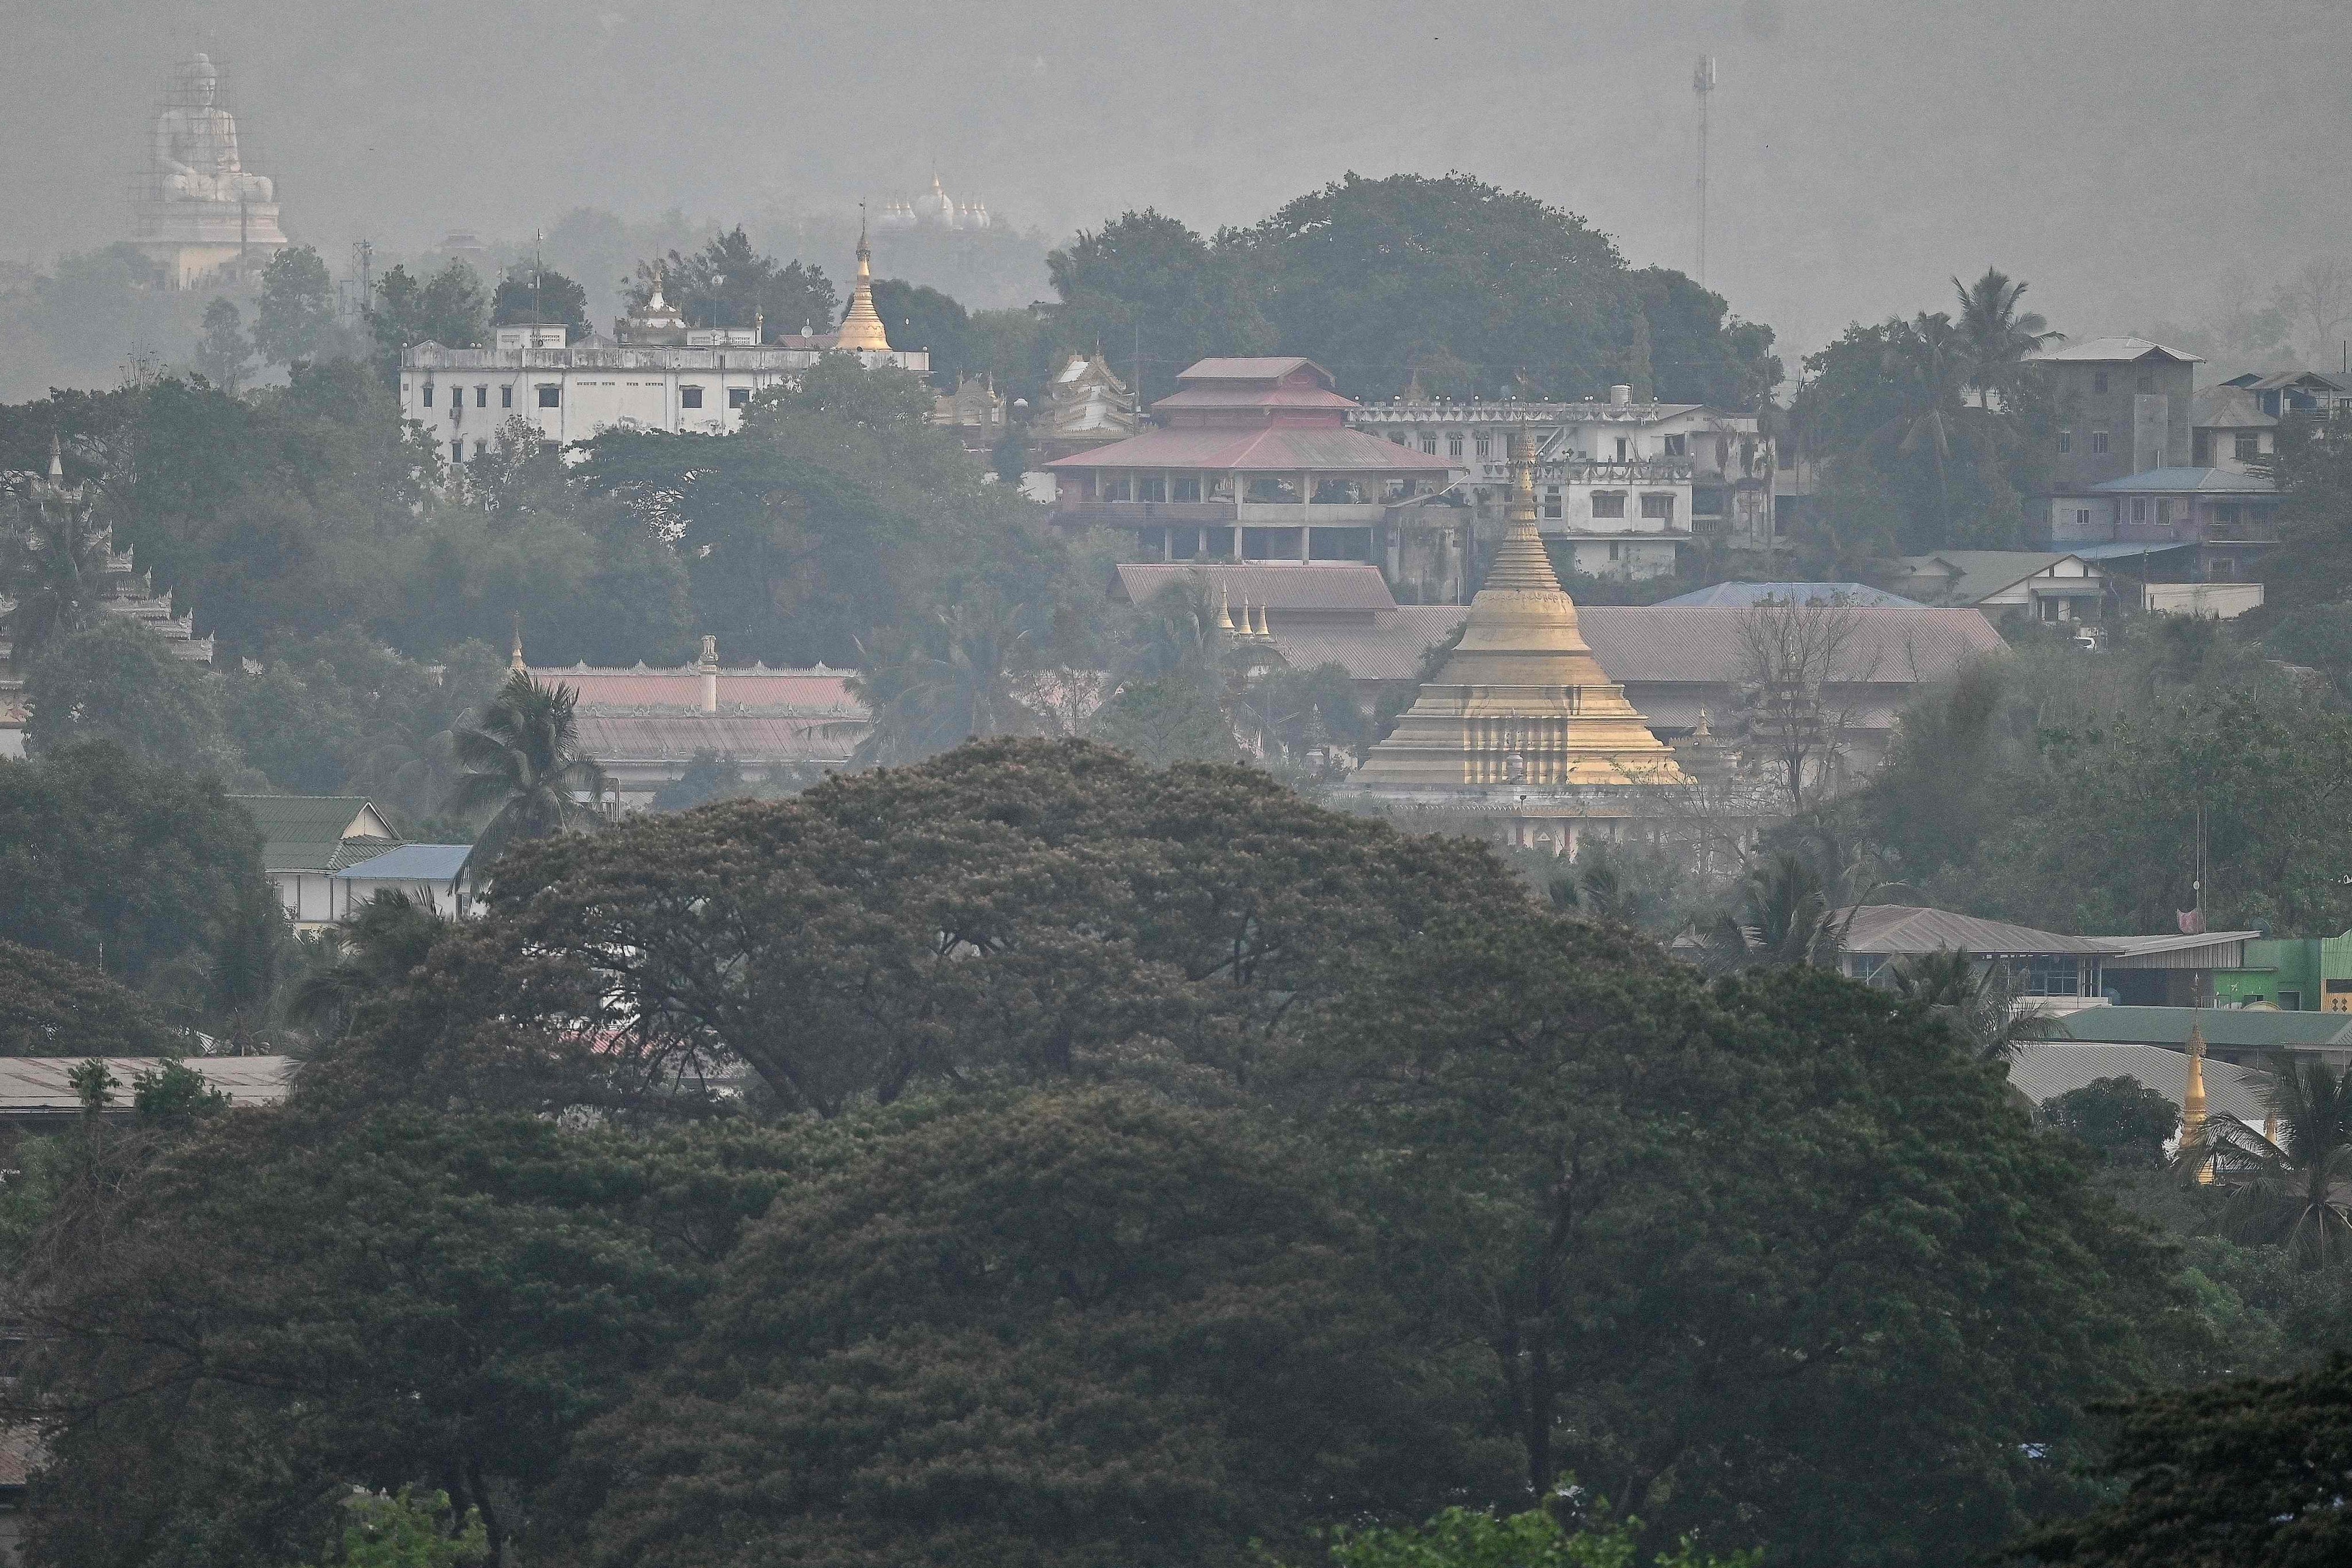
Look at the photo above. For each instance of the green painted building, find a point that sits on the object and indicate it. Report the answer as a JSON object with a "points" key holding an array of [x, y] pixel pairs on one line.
{"points": [[2295, 974]]}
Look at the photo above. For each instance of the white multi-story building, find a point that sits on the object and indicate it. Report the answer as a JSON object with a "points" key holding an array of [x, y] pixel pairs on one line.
{"points": [[655, 374], [1626, 484], [570, 393]]}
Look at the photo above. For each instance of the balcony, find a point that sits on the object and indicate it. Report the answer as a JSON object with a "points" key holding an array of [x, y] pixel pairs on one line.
{"points": [[1075, 509]]}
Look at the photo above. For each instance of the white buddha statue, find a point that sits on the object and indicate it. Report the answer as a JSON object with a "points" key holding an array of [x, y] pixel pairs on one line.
{"points": [[196, 145]]}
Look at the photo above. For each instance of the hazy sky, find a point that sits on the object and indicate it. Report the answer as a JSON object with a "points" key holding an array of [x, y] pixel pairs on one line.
{"points": [[2126, 157]]}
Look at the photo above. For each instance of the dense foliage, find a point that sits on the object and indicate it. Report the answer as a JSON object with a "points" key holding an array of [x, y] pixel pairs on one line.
{"points": [[1029, 1155]]}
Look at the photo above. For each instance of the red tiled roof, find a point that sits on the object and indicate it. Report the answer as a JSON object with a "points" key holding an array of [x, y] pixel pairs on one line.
{"points": [[800, 691], [1274, 448]]}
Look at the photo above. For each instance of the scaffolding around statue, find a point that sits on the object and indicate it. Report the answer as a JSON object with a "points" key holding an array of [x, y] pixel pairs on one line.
{"points": [[200, 214]]}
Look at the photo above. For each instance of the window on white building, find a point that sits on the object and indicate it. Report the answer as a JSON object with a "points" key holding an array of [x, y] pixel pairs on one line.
{"points": [[1678, 445], [1151, 487], [2099, 441], [2065, 440], [1429, 442], [1454, 442], [2139, 509], [1485, 443], [427, 391], [1624, 449], [739, 397], [506, 396], [1658, 507], [551, 395], [2083, 518], [1551, 503], [1609, 503], [482, 396], [482, 449], [2247, 447], [690, 397], [456, 451], [1184, 487]]}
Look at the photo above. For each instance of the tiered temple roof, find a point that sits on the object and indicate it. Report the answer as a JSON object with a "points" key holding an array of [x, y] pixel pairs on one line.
{"points": [[1522, 700]]}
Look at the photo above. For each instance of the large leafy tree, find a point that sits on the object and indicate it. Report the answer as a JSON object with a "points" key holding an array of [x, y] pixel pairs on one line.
{"points": [[728, 283], [2243, 1474], [1145, 284], [2293, 1189], [451, 308], [77, 824], [531, 293], [52, 1006], [238, 1328], [295, 318], [116, 681], [1062, 1329]]}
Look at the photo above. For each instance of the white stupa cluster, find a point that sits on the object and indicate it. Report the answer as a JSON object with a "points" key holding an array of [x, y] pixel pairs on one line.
{"points": [[936, 210]]}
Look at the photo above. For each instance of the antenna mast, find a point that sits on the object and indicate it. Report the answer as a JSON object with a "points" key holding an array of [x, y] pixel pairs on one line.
{"points": [[1703, 86]]}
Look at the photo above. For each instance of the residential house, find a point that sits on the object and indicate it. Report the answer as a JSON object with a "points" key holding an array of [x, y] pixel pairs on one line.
{"points": [[306, 839], [433, 876], [2281, 393], [2229, 431], [2175, 527], [2053, 587], [1621, 485], [2124, 408]]}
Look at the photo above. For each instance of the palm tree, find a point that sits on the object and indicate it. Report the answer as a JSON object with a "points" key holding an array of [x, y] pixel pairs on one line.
{"points": [[1995, 337], [2292, 1187], [53, 566], [522, 762], [960, 683], [373, 950], [1978, 1002], [1784, 918], [1927, 360]]}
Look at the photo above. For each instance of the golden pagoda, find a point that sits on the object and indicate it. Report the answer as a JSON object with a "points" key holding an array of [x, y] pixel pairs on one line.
{"points": [[2193, 1103], [862, 329], [1522, 701]]}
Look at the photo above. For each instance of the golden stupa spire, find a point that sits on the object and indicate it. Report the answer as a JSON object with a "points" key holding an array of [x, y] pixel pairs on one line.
{"points": [[1522, 700], [2192, 1099], [1224, 611], [862, 329], [514, 659]]}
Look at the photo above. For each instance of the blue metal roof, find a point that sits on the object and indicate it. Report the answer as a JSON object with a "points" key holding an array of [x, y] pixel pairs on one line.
{"points": [[410, 863], [2179, 481], [1742, 596]]}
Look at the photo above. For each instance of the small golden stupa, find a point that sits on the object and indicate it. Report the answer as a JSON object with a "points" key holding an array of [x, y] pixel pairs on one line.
{"points": [[862, 329], [1522, 701]]}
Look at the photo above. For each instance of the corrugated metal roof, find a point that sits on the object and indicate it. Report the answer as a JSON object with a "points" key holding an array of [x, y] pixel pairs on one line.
{"points": [[1910, 929], [617, 738], [1307, 586], [2228, 407], [38, 1084], [410, 863], [1890, 647], [2207, 949], [2118, 348], [2044, 1071], [1277, 449], [1654, 646], [2228, 1028], [1270, 367], [2112, 550], [316, 832], [779, 691], [2187, 481], [1978, 575], [1742, 595]]}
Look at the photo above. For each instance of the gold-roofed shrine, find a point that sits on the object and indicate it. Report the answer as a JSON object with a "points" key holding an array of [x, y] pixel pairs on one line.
{"points": [[1521, 700], [861, 329]]}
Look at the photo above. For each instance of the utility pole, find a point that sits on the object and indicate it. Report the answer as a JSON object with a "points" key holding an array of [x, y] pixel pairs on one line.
{"points": [[1703, 85]]}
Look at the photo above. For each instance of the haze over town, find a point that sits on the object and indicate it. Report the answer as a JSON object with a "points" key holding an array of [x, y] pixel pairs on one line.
{"points": [[1211, 786]]}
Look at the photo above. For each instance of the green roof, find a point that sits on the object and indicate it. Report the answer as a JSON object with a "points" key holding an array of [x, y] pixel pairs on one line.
{"points": [[317, 832], [2225, 1028]]}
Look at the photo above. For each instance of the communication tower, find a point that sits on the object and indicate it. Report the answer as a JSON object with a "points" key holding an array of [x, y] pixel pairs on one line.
{"points": [[1703, 87]]}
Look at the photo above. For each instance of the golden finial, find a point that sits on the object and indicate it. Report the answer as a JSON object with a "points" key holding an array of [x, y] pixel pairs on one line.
{"points": [[2192, 1100], [1224, 611]]}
